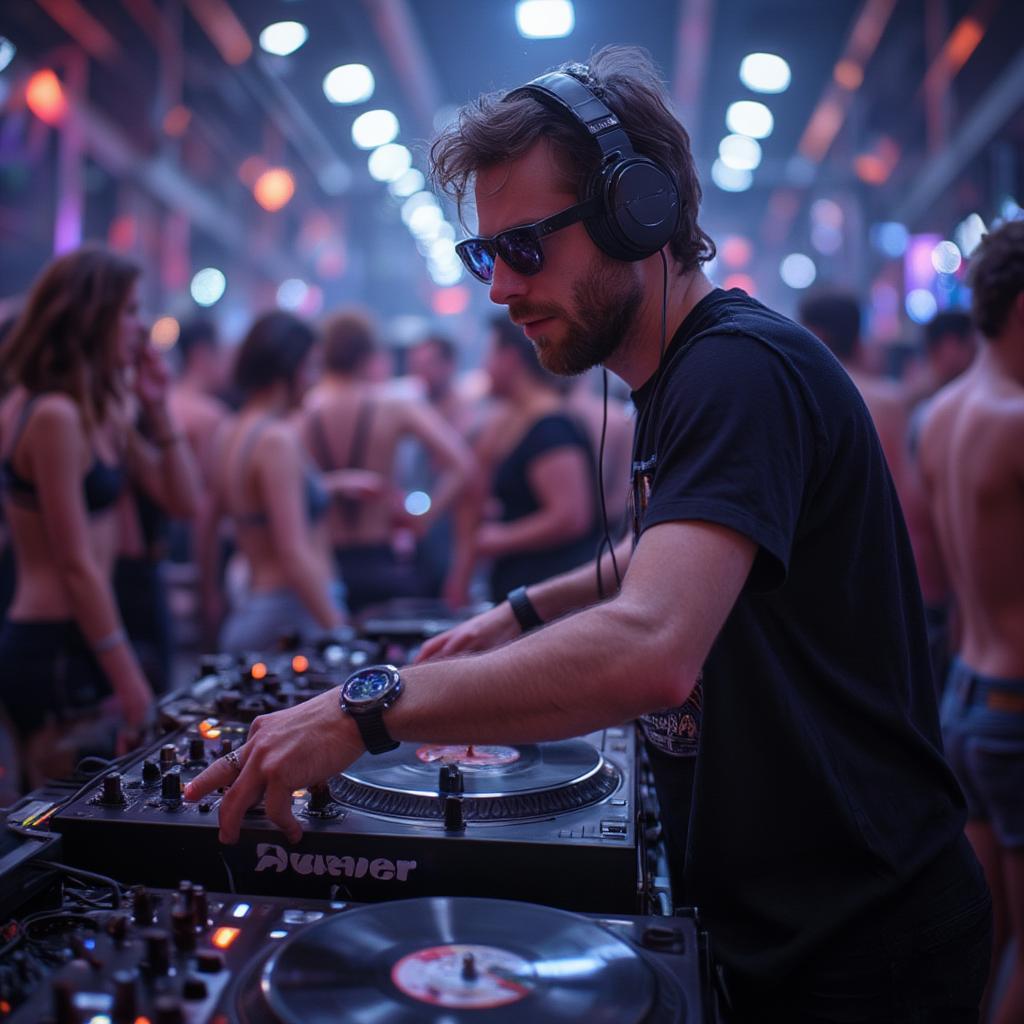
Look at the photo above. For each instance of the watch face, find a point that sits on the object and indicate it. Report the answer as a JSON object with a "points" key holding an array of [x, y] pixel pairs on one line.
{"points": [[366, 686]]}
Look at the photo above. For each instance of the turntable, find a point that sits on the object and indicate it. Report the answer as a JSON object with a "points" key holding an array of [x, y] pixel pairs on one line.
{"points": [[553, 823], [432, 960]]}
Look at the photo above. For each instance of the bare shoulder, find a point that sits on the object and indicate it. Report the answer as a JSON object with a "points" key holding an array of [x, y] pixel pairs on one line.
{"points": [[57, 412]]}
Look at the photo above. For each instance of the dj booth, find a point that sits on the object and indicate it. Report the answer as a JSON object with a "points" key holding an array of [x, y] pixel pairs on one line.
{"points": [[433, 883]]}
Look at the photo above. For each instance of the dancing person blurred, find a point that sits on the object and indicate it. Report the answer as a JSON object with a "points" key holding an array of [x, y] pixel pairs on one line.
{"points": [[350, 422], [834, 316], [275, 497], [973, 472], [538, 467], [197, 406], [68, 447]]}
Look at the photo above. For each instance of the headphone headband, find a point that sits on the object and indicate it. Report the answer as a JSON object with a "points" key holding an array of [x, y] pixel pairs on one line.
{"points": [[568, 93]]}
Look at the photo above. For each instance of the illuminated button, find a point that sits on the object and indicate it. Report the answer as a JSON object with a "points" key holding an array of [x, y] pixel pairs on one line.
{"points": [[240, 910], [258, 670], [300, 663], [301, 916], [207, 726], [278, 933], [223, 937]]}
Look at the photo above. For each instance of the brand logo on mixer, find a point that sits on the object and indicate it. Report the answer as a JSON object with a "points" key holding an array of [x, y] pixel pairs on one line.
{"points": [[271, 857]]}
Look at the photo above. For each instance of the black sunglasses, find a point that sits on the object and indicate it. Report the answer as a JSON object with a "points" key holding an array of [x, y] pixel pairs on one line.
{"points": [[519, 247]]}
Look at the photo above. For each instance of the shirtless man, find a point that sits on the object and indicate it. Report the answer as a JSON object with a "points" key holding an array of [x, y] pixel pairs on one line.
{"points": [[835, 318], [194, 404], [350, 423], [973, 469]]}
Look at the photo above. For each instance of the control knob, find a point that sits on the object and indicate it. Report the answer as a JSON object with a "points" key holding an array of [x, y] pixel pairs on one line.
{"points": [[112, 794]]}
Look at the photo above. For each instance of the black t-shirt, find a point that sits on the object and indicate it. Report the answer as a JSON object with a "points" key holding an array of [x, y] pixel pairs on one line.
{"points": [[512, 487], [820, 787]]}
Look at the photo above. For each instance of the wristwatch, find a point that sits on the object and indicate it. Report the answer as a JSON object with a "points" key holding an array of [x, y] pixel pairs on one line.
{"points": [[366, 695]]}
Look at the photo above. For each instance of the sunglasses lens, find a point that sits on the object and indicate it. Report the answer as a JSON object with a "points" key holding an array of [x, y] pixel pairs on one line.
{"points": [[477, 256], [521, 250]]}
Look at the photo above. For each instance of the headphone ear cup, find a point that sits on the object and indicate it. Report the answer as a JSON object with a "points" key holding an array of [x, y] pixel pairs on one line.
{"points": [[641, 204], [601, 229]]}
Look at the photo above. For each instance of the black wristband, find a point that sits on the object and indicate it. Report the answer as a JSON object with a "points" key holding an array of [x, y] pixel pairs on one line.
{"points": [[522, 608]]}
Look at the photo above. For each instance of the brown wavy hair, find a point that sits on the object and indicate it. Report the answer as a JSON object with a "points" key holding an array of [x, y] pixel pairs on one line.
{"points": [[66, 336], [996, 277], [492, 130]]}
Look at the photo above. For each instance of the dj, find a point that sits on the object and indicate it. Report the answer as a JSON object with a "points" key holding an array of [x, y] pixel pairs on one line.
{"points": [[770, 602]]}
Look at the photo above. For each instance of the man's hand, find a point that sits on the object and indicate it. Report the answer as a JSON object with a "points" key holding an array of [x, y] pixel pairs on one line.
{"points": [[285, 751], [480, 633]]}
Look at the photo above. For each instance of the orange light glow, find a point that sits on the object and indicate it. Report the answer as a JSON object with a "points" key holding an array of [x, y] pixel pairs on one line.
{"points": [[45, 96], [164, 332], [176, 121], [963, 42], [142, 1020], [258, 670], [848, 74], [736, 251], [300, 663], [209, 729], [871, 169], [5, 1007], [274, 189], [450, 301], [223, 937], [744, 281]]}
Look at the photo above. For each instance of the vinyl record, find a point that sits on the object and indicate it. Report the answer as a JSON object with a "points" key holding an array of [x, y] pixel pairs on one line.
{"points": [[500, 782], [444, 960]]}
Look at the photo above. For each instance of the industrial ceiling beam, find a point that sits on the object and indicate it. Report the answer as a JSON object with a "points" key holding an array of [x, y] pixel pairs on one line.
{"points": [[693, 44]]}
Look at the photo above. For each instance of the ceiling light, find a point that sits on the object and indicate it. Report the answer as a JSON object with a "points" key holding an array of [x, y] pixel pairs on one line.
{"points": [[545, 19], [410, 182], [425, 221], [350, 83], [165, 332], [890, 238], [764, 72], [292, 293], [374, 128], [946, 258], [740, 152], [7, 52], [798, 271], [969, 234], [748, 117], [208, 286], [390, 162], [414, 202], [274, 189], [728, 179], [283, 37]]}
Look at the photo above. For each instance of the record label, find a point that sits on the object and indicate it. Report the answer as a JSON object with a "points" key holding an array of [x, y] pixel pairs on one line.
{"points": [[463, 977], [471, 756]]}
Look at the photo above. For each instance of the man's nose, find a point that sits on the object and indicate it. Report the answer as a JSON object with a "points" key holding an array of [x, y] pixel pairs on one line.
{"points": [[506, 284]]}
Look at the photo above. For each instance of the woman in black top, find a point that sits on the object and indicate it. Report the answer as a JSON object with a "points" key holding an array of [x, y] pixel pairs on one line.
{"points": [[534, 511], [68, 446]]}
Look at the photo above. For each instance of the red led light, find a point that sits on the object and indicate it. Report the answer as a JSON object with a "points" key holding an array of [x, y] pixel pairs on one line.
{"points": [[258, 671], [224, 937], [300, 663]]}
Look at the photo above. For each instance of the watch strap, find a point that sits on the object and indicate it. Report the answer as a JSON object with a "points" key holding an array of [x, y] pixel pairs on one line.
{"points": [[374, 732], [523, 609]]}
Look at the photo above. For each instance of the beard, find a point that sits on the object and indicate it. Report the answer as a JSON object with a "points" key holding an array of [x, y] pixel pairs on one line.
{"points": [[605, 305]]}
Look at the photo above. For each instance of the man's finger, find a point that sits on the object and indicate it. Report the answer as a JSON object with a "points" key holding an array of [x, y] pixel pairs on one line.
{"points": [[223, 772], [278, 802], [245, 791]]}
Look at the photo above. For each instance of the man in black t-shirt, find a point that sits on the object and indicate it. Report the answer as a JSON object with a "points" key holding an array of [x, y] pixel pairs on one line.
{"points": [[769, 618]]}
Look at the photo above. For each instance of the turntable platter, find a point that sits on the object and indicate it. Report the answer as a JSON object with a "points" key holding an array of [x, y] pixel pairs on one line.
{"points": [[500, 783], [423, 960]]}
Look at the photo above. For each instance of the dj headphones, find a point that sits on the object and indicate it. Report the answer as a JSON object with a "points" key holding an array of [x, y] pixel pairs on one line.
{"points": [[639, 198]]}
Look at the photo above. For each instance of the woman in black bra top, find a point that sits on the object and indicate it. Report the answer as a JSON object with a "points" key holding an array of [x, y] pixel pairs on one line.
{"points": [[274, 495], [66, 446]]}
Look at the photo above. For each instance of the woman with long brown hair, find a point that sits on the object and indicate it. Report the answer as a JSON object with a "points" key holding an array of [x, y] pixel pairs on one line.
{"points": [[67, 446]]}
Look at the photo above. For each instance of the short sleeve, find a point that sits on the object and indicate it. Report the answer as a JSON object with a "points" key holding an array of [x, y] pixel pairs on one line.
{"points": [[734, 443], [551, 432]]}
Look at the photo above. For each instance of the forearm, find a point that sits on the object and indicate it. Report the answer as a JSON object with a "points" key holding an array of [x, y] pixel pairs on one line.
{"points": [[577, 588], [567, 679], [96, 614], [179, 475], [541, 529]]}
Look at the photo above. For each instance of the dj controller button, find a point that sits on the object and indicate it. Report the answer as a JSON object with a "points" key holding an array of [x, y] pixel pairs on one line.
{"points": [[209, 961], [301, 916], [158, 950], [151, 773], [112, 794], [168, 755], [194, 988], [204, 806], [126, 995], [617, 803], [196, 751]]}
